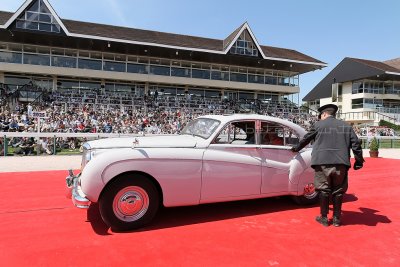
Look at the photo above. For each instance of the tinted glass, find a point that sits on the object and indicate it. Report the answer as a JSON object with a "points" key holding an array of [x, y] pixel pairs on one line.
{"points": [[137, 68], [114, 66], [65, 62], [158, 70], [89, 64], [37, 59]]}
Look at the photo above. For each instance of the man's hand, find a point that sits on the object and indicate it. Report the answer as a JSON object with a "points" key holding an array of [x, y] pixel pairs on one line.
{"points": [[358, 165]]}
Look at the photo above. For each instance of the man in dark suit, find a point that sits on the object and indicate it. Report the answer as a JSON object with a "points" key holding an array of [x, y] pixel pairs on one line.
{"points": [[330, 159]]}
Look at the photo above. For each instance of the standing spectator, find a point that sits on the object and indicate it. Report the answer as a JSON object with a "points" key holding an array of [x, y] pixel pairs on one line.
{"points": [[331, 160], [108, 128], [155, 95], [29, 109]]}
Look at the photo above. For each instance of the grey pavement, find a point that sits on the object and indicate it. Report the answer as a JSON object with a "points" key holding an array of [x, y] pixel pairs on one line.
{"points": [[39, 163], [49, 163]]}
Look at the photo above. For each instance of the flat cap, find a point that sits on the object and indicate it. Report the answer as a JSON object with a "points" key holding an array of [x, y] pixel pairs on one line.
{"points": [[327, 107]]}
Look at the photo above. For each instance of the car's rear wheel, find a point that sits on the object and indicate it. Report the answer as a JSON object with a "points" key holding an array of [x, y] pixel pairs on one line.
{"points": [[309, 197], [129, 202]]}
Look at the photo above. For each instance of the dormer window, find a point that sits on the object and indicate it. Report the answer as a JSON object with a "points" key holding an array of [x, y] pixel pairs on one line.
{"points": [[39, 18], [244, 45]]}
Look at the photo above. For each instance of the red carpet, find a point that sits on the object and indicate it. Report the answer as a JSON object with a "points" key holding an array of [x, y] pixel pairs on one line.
{"points": [[39, 227]]}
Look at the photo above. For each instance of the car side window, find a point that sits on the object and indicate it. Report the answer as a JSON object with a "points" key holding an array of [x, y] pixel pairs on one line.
{"points": [[272, 133], [291, 137], [237, 133]]}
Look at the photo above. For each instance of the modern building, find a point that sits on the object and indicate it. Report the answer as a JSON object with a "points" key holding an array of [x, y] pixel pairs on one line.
{"points": [[366, 91], [39, 47]]}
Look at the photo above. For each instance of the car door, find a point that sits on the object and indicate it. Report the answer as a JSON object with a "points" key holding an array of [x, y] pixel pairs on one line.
{"points": [[276, 156], [232, 164]]}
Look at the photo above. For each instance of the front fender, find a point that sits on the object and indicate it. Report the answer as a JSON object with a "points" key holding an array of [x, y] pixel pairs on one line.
{"points": [[178, 171]]}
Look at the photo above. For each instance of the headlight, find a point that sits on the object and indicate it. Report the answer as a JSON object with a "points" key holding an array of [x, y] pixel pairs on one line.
{"points": [[87, 155]]}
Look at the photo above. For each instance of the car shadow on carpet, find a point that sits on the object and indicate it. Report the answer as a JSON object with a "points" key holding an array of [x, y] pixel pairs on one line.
{"points": [[181, 216]]}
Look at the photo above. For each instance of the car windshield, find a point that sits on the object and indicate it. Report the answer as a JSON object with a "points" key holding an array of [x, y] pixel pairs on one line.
{"points": [[202, 127]]}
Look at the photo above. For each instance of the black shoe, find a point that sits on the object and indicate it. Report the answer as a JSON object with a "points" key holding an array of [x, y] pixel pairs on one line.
{"points": [[336, 222], [322, 220]]}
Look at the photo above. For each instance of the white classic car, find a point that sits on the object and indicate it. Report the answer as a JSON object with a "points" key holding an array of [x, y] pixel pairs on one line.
{"points": [[215, 158]]}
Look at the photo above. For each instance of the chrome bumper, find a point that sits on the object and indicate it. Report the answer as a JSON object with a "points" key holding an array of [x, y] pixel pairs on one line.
{"points": [[74, 191]]}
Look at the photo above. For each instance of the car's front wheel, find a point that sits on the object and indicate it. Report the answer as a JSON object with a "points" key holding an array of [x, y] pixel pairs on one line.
{"points": [[129, 202]]}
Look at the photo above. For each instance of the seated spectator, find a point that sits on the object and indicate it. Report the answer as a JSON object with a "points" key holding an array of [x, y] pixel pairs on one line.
{"points": [[43, 146], [13, 126], [26, 147]]}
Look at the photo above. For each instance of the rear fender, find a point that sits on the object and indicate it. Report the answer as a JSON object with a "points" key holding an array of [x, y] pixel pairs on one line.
{"points": [[301, 172]]}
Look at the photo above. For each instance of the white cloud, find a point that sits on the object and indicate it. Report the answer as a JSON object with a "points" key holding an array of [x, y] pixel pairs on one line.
{"points": [[116, 9]]}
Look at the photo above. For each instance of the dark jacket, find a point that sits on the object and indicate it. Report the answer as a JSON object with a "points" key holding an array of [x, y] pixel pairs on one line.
{"points": [[333, 140]]}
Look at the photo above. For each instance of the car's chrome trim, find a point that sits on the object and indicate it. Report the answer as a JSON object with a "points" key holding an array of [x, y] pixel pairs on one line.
{"points": [[74, 191]]}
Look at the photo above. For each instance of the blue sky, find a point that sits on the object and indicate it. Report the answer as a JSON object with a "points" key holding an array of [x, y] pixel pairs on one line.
{"points": [[326, 30]]}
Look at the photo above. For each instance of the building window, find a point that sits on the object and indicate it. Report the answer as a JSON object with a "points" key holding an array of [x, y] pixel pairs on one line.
{"points": [[89, 64], [358, 87], [357, 103], [114, 66], [39, 18], [10, 57], [65, 62], [244, 45], [371, 103], [337, 91]]}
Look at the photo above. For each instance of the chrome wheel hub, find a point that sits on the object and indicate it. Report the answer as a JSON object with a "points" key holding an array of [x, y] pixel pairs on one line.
{"points": [[131, 203], [309, 191]]}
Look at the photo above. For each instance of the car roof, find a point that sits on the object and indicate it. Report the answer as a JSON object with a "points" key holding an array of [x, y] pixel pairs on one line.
{"points": [[233, 117]]}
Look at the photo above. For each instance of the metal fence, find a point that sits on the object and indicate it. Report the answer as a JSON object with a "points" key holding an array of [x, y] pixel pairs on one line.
{"points": [[383, 141]]}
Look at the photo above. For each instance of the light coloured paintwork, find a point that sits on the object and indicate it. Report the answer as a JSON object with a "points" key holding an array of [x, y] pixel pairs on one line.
{"points": [[230, 171], [190, 170]]}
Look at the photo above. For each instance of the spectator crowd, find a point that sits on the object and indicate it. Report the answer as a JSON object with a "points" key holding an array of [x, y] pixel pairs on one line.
{"points": [[154, 115]]}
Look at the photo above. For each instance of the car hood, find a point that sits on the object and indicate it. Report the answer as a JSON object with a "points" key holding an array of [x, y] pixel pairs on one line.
{"points": [[162, 141]]}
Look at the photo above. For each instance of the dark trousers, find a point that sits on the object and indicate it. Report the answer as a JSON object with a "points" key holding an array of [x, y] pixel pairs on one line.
{"points": [[331, 180]]}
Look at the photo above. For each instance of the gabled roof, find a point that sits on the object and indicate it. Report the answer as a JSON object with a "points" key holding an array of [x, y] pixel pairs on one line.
{"points": [[231, 38], [127, 35], [4, 17], [136, 36], [395, 63], [376, 64], [24, 6], [235, 35], [350, 69]]}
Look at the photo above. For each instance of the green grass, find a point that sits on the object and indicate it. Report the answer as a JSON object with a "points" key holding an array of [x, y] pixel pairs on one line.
{"points": [[389, 143], [69, 152], [64, 152]]}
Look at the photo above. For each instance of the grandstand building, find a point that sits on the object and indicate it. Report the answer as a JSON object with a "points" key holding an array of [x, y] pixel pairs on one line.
{"points": [[366, 91], [96, 62]]}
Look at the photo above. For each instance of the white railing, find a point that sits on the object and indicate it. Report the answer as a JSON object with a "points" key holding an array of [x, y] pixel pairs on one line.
{"points": [[383, 141], [367, 115]]}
